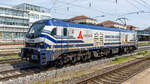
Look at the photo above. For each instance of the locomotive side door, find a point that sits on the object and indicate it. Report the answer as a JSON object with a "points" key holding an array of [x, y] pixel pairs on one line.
{"points": [[65, 36], [62, 34]]}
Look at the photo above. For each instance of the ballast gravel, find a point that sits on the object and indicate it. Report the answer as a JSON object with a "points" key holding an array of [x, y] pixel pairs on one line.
{"points": [[50, 74]]}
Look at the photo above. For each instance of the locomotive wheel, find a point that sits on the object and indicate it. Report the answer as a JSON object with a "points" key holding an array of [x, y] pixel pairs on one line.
{"points": [[128, 50], [66, 60], [106, 52], [84, 58], [30, 59], [131, 49], [59, 63], [88, 55], [78, 58], [74, 60]]}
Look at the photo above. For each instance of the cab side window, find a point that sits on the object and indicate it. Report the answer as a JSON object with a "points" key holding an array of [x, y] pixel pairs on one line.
{"points": [[65, 32], [54, 32]]}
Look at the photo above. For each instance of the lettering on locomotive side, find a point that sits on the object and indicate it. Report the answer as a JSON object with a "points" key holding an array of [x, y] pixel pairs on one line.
{"points": [[87, 35]]}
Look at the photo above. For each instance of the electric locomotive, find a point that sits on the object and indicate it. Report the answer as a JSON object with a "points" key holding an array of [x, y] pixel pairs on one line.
{"points": [[59, 42]]}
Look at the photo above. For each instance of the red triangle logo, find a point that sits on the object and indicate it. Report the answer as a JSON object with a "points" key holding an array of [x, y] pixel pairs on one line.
{"points": [[80, 36]]}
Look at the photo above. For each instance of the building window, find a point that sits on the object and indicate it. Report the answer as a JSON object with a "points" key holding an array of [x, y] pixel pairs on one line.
{"points": [[13, 12], [34, 16], [7, 35], [45, 17], [14, 21]]}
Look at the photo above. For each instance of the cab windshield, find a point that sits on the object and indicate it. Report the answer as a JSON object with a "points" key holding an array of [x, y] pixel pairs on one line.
{"points": [[36, 29]]}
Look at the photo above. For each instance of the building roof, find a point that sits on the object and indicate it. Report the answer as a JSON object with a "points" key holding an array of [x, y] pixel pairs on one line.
{"points": [[108, 22], [80, 17], [131, 27]]}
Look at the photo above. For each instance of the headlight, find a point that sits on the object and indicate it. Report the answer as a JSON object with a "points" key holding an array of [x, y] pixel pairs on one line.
{"points": [[41, 44], [39, 50]]}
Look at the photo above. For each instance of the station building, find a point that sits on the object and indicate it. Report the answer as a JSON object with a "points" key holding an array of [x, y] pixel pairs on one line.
{"points": [[143, 35], [15, 21]]}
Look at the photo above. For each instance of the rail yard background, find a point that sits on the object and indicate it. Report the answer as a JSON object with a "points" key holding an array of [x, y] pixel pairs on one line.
{"points": [[129, 68]]}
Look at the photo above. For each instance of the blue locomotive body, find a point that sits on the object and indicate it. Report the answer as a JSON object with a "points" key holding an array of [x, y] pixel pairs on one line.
{"points": [[56, 40]]}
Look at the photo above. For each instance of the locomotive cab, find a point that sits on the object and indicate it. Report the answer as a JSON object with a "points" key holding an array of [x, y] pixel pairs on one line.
{"points": [[40, 42], [35, 46]]}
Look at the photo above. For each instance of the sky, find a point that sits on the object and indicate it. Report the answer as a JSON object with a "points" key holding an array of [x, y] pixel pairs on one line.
{"points": [[136, 12]]}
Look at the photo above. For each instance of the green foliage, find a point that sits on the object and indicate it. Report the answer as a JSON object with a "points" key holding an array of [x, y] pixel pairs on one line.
{"points": [[142, 53], [144, 43], [122, 59]]}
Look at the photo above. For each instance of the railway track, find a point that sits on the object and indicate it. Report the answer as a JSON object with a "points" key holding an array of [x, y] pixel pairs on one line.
{"points": [[10, 49], [12, 52], [12, 74], [120, 74], [10, 60]]}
